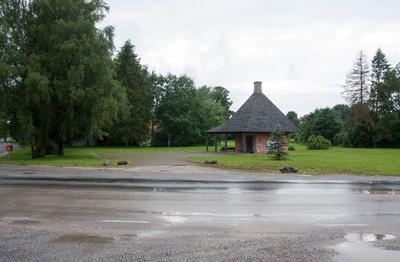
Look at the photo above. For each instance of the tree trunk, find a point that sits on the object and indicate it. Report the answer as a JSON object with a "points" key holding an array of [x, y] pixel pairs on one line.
{"points": [[38, 152], [60, 150], [152, 135], [39, 144]]}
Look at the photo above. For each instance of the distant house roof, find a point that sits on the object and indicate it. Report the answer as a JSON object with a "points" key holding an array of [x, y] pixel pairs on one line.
{"points": [[258, 115]]}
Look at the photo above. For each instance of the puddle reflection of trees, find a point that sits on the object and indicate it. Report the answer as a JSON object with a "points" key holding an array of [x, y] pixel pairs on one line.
{"points": [[384, 192], [368, 237]]}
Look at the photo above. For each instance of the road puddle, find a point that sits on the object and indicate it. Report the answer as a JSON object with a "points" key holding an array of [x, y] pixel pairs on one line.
{"points": [[174, 218], [384, 192], [125, 237], [358, 247], [364, 237], [149, 234], [83, 239]]}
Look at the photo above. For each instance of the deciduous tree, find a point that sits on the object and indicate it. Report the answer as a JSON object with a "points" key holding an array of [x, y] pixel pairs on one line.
{"points": [[65, 87], [324, 122], [178, 113], [294, 118]]}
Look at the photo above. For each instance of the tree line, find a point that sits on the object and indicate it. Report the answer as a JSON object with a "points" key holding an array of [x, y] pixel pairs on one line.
{"points": [[60, 81], [372, 116]]}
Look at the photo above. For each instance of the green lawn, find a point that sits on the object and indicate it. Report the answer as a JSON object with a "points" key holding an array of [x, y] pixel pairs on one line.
{"points": [[335, 161], [86, 156]]}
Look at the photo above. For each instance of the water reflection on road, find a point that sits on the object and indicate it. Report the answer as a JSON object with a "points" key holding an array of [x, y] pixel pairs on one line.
{"points": [[156, 206], [358, 247], [232, 187], [178, 201]]}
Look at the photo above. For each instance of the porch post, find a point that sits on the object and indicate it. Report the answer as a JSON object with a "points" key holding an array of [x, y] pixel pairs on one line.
{"points": [[215, 143], [243, 143], [206, 142], [226, 143]]}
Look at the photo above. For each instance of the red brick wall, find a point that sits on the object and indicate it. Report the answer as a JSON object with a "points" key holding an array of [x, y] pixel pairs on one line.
{"points": [[260, 140]]}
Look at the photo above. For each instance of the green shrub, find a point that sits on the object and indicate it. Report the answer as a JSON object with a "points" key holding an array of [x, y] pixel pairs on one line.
{"points": [[291, 148], [341, 139], [318, 143]]}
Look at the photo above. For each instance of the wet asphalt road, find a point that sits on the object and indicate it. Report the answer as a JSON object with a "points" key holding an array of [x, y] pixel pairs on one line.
{"points": [[186, 213]]}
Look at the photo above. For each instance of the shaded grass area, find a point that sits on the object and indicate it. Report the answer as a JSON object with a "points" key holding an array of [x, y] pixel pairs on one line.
{"points": [[85, 157], [89, 156], [335, 161]]}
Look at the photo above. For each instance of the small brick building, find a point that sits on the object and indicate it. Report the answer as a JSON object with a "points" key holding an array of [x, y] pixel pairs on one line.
{"points": [[253, 124]]}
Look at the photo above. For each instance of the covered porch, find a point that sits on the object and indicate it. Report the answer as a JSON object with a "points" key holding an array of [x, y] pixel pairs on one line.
{"points": [[250, 143]]}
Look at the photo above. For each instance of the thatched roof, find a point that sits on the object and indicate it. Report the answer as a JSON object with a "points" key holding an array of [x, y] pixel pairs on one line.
{"points": [[257, 115]]}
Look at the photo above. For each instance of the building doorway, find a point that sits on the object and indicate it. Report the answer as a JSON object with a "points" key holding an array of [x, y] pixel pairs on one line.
{"points": [[249, 144]]}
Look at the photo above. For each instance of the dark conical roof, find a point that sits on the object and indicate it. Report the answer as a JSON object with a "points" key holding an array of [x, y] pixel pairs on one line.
{"points": [[258, 115]]}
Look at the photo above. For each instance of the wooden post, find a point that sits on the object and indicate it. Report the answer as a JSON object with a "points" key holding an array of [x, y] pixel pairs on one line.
{"points": [[9, 149], [206, 142], [216, 142], [243, 143], [226, 144]]}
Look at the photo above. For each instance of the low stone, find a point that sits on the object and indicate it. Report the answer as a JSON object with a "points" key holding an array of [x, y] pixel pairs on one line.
{"points": [[106, 163], [213, 161], [122, 163], [288, 169]]}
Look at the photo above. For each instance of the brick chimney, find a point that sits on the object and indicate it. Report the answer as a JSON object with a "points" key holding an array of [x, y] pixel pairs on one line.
{"points": [[257, 87]]}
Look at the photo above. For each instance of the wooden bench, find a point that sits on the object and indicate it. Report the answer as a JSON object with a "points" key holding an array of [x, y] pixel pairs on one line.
{"points": [[229, 148]]}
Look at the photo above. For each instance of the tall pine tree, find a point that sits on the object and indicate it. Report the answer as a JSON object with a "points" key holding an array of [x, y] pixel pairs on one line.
{"points": [[133, 128], [382, 103], [380, 90]]}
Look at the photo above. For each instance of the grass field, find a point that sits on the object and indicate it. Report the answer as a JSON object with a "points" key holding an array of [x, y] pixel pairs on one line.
{"points": [[86, 156], [335, 161]]}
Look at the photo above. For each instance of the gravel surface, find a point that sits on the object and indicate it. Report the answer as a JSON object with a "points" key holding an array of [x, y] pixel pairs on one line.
{"points": [[67, 242]]}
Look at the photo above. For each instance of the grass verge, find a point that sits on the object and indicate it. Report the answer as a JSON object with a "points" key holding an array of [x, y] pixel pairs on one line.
{"points": [[87, 156], [334, 161]]}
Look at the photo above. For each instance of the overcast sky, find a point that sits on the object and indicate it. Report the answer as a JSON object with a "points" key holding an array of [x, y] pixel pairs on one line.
{"points": [[301, 50]]}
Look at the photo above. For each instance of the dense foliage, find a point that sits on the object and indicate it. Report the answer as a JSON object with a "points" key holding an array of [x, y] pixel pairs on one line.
{"points": [[59, 83], [372, 117], [182, 113], [324, 122]]}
